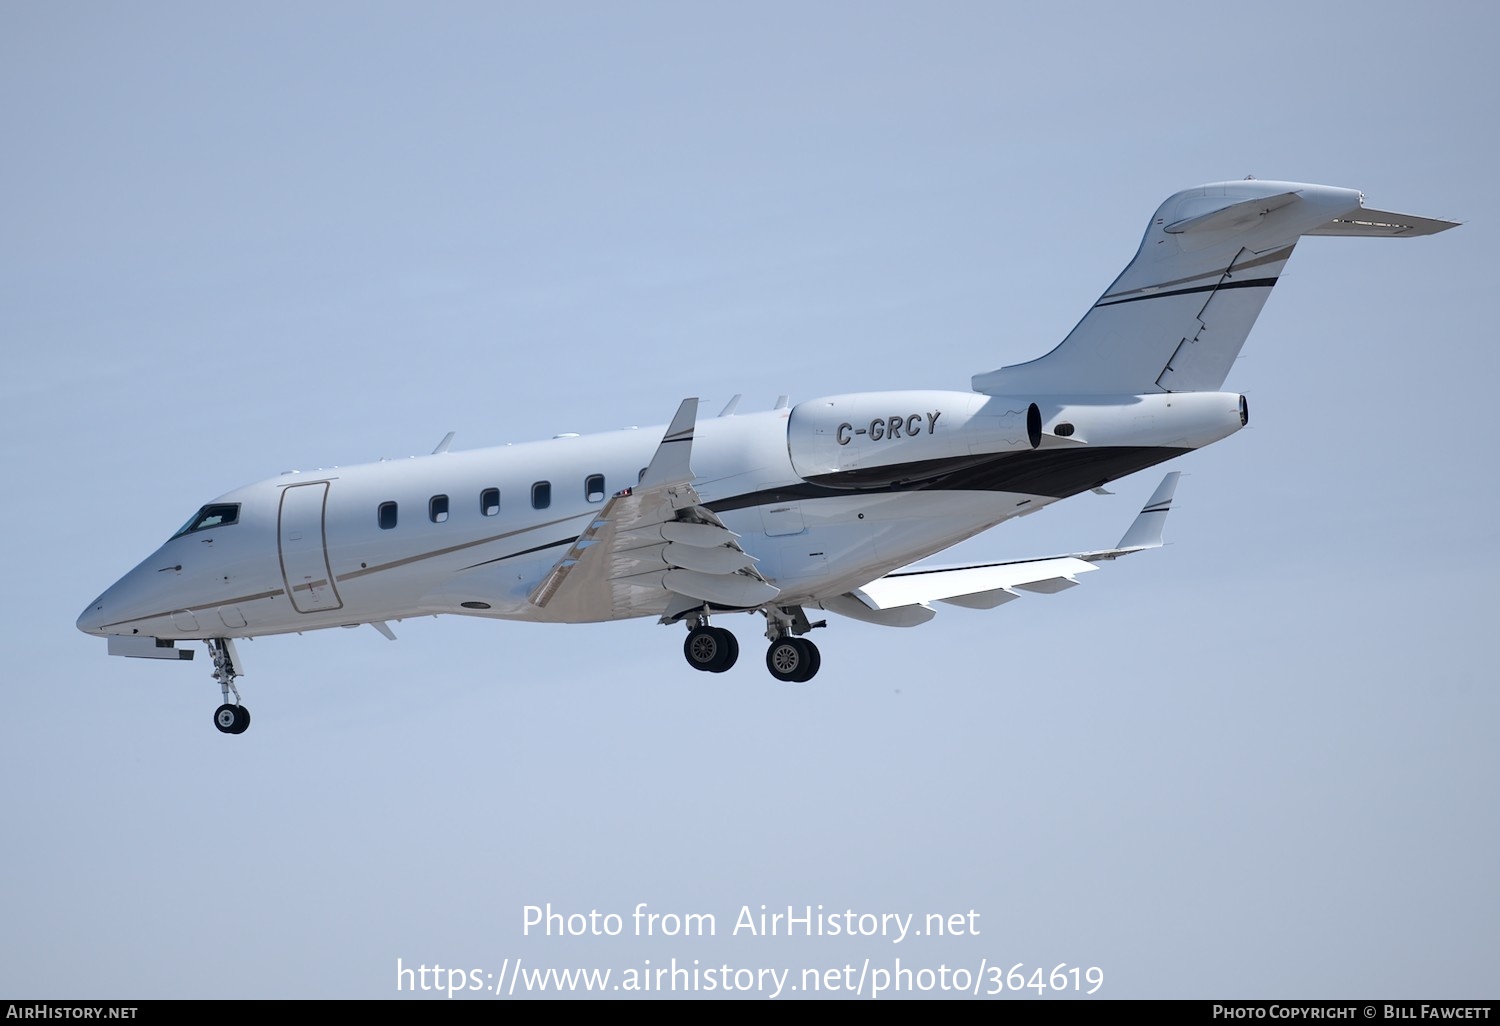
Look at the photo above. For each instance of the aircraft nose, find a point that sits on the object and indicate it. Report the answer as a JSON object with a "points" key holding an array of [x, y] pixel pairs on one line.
{"points": [[113, 606], [123, 602], [91, 620]]}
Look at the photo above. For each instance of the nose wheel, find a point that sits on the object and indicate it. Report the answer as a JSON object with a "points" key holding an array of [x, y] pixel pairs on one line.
{"points": [[232, 719]]}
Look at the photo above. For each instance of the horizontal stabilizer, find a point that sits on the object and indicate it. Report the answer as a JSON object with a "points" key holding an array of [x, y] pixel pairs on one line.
{"points": [[1383, 223]]}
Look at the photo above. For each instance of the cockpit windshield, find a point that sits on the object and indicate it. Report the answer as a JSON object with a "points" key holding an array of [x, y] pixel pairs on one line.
{"points": [[215, 515]]}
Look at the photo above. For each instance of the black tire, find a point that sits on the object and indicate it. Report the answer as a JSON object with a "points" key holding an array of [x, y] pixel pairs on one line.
{"points": [[814, 662], [731, 650], [705, 649], [231, 719], [788, 659]]}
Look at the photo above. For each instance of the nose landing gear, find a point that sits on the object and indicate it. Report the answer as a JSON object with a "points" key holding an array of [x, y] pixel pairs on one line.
{"points": [[231, 717]]}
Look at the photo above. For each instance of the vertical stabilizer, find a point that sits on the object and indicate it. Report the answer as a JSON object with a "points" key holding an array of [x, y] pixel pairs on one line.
{"points": [[1176, 317]]}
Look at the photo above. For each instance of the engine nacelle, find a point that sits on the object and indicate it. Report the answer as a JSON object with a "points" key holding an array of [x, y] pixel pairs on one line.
{"points": [[878, 438]]}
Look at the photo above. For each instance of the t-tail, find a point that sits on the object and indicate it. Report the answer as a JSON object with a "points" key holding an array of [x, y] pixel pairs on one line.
{"points": [[1176, 317]]}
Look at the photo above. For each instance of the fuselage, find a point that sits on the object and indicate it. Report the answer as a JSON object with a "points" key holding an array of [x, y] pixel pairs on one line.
{"points": [[826, 496], [822, 506]]}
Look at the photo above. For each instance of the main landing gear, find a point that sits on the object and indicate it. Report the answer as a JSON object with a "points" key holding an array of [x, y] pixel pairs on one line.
{"points": [[790, 658], [709, 648], [793, 660], [231, 717]]}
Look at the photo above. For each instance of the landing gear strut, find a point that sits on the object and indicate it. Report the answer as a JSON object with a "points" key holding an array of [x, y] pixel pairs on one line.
{"points": [[713, 649], [790, 658], [231, 717]]}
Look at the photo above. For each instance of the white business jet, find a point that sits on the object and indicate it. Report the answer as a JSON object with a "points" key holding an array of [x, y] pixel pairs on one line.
{"points": [[819, 506]]}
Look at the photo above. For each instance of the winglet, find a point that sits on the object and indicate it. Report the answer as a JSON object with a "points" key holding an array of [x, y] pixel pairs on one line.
{"points": [[1145, 532], [671, 464]]}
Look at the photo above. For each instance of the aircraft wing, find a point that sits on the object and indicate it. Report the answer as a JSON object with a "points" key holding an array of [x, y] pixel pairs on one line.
{"points": [[654, 548], [900, 598]]}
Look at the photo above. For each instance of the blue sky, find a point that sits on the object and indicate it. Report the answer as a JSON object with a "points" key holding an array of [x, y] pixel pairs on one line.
{"points": [[1257, 763]]}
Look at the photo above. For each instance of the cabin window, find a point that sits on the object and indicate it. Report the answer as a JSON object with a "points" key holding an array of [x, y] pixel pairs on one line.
{"points": [[541, 495], [489, 501], [437, 509], [387, 515], [593, 488], [219, 514], [1063, 430]]}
